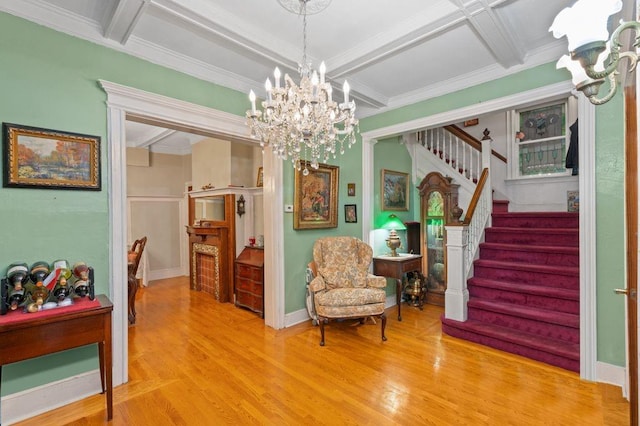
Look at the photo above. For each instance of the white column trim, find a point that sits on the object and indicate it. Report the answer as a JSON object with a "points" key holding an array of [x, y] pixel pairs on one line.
{"points": [[125, 102], [587, 191], [457, 294], [118, 215], [586, 114], [367, 189]]}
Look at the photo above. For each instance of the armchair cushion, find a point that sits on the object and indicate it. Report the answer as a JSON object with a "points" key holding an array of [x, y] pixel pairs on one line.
{"points": [[341, 297]]}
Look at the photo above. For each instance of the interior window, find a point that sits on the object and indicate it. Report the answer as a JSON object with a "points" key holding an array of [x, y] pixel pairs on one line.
{"points": [[541, 141]]}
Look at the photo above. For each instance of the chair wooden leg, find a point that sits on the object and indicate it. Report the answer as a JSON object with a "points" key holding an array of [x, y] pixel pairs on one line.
{"points": [[133, 288], [322, 322], [383, 320]]}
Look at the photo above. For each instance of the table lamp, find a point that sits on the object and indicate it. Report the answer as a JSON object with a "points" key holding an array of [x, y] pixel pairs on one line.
{"points": [[393, 224]]}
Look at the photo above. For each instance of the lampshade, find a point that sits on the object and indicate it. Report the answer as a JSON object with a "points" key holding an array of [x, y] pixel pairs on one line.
{"points": [[394, 222], [585, 22], [578, 73]]}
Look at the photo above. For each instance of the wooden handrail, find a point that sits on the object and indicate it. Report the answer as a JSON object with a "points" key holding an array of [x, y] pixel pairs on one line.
{"points": [[476, 196], [470, 140]]}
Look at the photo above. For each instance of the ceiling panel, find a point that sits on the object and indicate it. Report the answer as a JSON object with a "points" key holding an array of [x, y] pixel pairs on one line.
{"points": [[392, 53], [428, 63]]}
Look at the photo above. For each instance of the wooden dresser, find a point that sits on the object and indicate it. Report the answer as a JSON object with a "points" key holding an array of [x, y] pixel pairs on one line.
{"points": [[249, 279]]}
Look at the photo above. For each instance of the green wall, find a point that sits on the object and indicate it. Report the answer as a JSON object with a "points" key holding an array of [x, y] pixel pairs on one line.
{"points": [[49, 80], [610, 234]]}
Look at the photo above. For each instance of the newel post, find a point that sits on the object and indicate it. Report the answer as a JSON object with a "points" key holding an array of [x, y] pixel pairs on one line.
{"points": [[456, 295]]}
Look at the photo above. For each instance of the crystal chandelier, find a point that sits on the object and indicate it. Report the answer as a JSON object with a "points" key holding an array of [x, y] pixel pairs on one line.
{"points": [[303, 123]]}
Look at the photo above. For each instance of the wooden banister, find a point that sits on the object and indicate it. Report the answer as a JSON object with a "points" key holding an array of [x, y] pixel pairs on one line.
{"points": [[476, 196], [470, 140]]}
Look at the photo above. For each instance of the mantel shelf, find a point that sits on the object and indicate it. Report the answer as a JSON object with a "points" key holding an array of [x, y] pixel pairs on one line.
{"points": [[227, 190]]}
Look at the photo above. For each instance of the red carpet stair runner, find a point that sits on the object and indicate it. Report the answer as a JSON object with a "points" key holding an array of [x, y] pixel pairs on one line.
{"points": [[524, 296]]}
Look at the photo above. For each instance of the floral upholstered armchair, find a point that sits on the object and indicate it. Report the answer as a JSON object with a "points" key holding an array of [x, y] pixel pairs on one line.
{"points": [[343, 288]]}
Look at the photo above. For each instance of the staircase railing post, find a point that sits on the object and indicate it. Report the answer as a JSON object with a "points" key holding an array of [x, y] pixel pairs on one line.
{"points": [[457, 294]]}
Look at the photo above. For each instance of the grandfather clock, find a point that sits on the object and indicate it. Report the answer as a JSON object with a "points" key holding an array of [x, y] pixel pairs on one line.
{"points": [[438, 196]]}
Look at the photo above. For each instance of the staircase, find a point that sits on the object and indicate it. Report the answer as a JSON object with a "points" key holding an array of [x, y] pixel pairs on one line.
{"points": [[524, 295]]}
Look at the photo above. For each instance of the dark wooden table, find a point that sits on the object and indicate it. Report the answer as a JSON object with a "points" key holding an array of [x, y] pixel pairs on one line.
{"points": [[42, 335], [396, 267]]}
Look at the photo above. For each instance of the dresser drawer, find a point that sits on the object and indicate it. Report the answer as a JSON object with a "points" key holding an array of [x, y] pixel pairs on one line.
{"points": [[248, 271], [249, 300], [244, 284]]}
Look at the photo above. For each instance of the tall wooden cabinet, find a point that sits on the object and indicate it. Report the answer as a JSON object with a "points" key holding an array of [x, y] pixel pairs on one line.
{"points": [[438, 196]]}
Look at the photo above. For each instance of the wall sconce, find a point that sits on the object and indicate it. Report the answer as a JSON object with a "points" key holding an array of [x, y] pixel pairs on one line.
{"points": [[585, 25], [240, 205], [393, 241]]}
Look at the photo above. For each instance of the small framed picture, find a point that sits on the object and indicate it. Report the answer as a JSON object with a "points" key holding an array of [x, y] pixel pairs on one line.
{"points": [[259, 181], [351, 189], [394, 190], [350, 213], [573, 201]]}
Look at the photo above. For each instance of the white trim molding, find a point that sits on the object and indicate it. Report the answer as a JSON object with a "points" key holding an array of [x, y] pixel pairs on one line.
{"points": [[125, 102], [586, 114], [20, 405]]}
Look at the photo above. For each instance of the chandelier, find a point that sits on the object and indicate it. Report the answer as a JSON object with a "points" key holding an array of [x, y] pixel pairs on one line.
{"points": [[303, 123]]}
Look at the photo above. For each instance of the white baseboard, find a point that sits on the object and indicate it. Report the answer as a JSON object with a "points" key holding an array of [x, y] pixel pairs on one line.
{"points": [[296, 317], [20, 405], [613, 375], [161, 274]]}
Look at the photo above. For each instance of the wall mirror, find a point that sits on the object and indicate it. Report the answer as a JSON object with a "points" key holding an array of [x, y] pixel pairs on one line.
{"points": [[209, 208]]}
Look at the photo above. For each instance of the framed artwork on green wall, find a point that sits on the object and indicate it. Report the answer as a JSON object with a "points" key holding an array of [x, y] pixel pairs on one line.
{"points": [[395, 190], [315, 202], [51, 159]]}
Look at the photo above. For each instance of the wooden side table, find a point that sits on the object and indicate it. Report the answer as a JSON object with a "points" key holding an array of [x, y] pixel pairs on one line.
{"points": [[396, 267], [38, 335]]}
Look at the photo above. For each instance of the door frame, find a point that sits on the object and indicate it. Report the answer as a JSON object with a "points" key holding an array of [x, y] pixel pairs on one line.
{"points": [[587, 188], [126, 102]]}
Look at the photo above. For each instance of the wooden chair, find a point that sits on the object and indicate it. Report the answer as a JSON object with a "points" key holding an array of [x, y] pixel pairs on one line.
{"points": [[133, 262]]}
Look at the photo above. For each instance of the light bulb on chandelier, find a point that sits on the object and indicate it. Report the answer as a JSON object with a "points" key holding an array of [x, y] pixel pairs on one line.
{"points": [[303, 123]]}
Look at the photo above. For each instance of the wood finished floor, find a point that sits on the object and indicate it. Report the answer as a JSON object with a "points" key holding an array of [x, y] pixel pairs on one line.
{"points": [[193, 361]]}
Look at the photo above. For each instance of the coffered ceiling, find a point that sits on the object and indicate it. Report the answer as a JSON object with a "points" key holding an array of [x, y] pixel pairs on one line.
{"points": [[393, 53]]}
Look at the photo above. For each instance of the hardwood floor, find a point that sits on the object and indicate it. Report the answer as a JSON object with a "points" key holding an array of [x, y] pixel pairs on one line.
{"points": [[193, 361]]}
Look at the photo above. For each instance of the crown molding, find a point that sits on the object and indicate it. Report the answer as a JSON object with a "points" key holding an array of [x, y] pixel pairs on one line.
{"points": [[480, 76]]}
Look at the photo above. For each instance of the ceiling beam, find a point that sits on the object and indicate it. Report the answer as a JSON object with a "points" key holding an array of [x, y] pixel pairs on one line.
{"points": [[120, 24], [503, 44]]}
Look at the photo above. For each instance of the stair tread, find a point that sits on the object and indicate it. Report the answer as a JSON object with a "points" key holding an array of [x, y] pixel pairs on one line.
{"points": [[533, 230], [528, 312], [532, 247], [554, 346], [557, 292], [537, 214], [560, 270]]}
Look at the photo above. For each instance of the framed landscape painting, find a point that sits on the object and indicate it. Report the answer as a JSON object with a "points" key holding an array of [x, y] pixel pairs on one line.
{"points": [[51, 159], [316, 198], [394, 188]]}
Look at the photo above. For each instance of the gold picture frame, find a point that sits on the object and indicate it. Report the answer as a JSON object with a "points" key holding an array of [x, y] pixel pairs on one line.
{"points": [[50, 159], [260, 179], [316, 197], [394, 188]]}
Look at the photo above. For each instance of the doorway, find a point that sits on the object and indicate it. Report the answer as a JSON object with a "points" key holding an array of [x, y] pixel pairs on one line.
{"points": [[587, 220], [127, 103]]}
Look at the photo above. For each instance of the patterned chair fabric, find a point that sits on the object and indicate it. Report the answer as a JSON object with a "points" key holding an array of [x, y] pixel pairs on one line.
{"points": [[343, 288]]}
